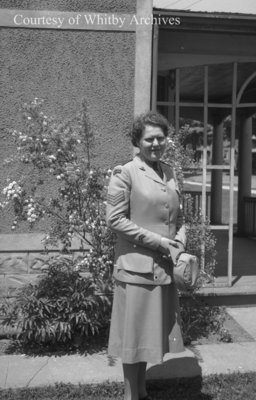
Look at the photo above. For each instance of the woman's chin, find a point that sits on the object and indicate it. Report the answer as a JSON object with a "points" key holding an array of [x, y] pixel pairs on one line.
{"points": [[156, 156]]}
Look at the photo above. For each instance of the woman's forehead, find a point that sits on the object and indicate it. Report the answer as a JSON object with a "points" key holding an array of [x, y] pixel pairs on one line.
{"points": [[151, 131]]}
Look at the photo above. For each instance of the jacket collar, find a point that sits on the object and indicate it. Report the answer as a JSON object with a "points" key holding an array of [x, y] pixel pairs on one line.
{"points": [[149, 171]]}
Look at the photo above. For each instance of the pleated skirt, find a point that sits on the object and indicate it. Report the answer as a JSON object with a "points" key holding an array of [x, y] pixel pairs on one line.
{"points": [[145, 323]]}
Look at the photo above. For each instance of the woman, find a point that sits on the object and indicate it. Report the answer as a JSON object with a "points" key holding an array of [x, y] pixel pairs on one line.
{"points": [[143, 208]]}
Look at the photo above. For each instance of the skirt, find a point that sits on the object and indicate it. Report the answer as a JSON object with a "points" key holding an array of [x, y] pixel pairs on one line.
{"points": [[145, 323]]}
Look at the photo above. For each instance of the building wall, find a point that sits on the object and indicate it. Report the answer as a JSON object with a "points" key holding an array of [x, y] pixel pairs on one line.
{"points": [[122, 6], [64, 67]]}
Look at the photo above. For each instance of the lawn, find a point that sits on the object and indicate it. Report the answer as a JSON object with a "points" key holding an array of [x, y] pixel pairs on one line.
{"points": [[215, 387]]}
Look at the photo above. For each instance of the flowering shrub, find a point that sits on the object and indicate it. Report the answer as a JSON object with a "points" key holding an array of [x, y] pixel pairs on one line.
{"points": [[76, 209]]}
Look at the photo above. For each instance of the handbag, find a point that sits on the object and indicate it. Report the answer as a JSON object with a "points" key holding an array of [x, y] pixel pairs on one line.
{"points": [[186, 271]]}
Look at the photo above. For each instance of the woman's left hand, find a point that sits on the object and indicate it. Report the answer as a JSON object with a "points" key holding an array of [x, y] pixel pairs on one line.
{"points": [[166, 244]]}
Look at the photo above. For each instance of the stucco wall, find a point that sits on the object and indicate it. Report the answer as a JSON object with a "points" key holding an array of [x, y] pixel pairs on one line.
{"points": [[63, 68], [125, 6]]}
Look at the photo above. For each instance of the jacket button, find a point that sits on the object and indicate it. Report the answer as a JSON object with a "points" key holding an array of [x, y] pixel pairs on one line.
{"points": [[155, 277], [164, 190], [166, 222], [135, 245], [166, 205]]}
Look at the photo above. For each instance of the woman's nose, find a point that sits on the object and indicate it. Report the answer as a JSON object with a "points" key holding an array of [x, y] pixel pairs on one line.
{"points": [[155, 142]]}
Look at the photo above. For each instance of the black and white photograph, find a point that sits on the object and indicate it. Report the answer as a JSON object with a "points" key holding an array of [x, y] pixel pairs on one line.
{"points": [[128, 200]]}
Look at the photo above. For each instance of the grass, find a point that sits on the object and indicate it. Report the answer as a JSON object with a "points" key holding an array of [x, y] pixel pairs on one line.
{"points": [[235, 386]]}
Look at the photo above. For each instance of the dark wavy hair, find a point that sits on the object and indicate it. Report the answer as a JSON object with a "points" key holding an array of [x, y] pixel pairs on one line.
{"points": [[150, 118]]}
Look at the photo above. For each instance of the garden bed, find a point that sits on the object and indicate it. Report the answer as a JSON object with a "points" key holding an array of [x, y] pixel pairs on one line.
{"points": [[230, 331], [235, 332]]}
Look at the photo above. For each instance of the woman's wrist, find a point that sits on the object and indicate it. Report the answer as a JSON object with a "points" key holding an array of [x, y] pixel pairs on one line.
{"points": [[162, 247], [166, 244]]}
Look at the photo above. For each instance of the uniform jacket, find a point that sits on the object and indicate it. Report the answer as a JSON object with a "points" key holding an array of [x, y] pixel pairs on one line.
{"points": [[141, 208]]}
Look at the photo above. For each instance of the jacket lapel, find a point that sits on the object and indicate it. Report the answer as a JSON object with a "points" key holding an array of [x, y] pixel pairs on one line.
{"points": [[148, 171]]}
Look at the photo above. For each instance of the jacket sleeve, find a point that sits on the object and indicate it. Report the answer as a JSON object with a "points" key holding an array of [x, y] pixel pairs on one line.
{"points": [[118, 206]]}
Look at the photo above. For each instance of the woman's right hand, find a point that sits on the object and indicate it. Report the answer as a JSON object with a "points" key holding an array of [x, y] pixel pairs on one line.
{"points": [[166, 244]]}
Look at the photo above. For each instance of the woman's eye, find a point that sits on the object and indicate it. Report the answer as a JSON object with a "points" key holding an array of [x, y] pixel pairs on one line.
{"points": [[160, 140]]}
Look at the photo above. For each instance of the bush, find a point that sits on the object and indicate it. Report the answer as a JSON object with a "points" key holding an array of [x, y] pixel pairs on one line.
{"points": [[62, 307], [200, 320], [177, 155], [63, 153], [200, 241], [63, 304]]}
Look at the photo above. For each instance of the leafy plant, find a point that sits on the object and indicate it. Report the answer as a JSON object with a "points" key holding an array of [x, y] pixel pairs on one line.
{"points": [[200, 241], [178, 155], [62, 307], [200, 320]]}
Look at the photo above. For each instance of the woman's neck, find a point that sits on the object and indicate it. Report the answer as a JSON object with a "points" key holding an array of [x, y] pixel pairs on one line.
{"points": [[155, 165], [152, 164]]}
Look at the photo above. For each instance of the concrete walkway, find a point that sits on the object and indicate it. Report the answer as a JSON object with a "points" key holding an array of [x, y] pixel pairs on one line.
{"points": [[23, 371]]}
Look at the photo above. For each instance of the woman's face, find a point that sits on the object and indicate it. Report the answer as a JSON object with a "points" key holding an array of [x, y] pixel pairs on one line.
{"points": [[152, 143]]}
